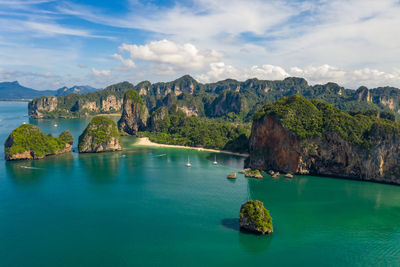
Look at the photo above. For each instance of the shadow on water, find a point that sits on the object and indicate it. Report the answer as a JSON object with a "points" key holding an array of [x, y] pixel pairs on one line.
{"points": [[250, 242], [24, 172], [231, 223], [32, 171], [101, 167], [254, 244]]}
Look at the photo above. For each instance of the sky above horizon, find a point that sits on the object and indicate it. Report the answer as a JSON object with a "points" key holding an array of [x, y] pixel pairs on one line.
{"points": [[49, 44]]}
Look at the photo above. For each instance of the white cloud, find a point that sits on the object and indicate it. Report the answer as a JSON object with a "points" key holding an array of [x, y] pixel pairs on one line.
{"points": [[202, 19], [313, 74], [7, 74], [127, 63], [349, 78], [220, 71], [101, 73], [186, 56], [51, 28]]}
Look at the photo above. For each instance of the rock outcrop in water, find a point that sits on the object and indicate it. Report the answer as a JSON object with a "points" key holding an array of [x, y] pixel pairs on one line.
{"points": [[75, 105], [40, 107], [134, 115], [299, 136], [255, 218], [29, 142], [101, 135]]}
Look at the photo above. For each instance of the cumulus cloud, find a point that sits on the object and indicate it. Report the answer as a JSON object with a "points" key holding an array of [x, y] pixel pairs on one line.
{"points": [[220, 71], [313, 74], [350, 78], [176, 56], [343, 33], [101, 73], [127, 63]]}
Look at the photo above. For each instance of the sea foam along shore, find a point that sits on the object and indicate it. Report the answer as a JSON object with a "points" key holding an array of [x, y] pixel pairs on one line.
{"points": [[144, 141]]}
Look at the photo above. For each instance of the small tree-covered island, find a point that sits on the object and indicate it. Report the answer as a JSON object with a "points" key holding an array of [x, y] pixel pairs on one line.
{"points": [[29, 142], [301, 136], [255, 218], [101, 135]]}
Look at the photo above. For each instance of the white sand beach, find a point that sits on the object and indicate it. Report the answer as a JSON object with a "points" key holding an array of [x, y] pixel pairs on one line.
{"points": [[144, 141]]}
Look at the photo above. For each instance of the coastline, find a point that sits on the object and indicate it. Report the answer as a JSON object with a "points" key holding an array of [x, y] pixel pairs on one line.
{"points": [[145, 141], [110, 114]]}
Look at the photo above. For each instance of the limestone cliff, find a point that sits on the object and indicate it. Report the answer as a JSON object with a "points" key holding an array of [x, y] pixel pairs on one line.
{"points": [[134, 114], [29, 142], [111, 104], [159, 120], [255, 218], [295, 135], [101, 135], [39, 107], [226, 102]]}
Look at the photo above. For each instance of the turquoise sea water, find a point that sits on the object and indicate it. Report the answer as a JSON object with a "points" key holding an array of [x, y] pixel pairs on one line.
{"points": [[148, 209]]}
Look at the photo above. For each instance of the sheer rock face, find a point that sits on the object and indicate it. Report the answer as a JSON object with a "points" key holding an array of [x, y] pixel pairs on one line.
{"points": [[111, 103], [134, 115], [101, 135], [90, 106], [29, 142], [189, 111], [227, 101], [159, 119], [272, 146], [41, 105], [29, 154], [255, 218]]}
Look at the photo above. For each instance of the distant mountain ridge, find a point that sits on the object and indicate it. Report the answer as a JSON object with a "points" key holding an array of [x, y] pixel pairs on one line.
{"points": [[77, 89], [15, 91]]}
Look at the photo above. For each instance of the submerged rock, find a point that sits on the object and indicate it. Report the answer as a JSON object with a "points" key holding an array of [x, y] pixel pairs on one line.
{"points": [[276, 175], [254, 174], [29, 142], [134, 115], [244, 170], [101, 135], [255, 218], [231, 175]]}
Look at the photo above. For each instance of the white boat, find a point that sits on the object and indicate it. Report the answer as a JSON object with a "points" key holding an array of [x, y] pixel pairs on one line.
{"points": [[215, 160], [56, 125], [188, 163]]}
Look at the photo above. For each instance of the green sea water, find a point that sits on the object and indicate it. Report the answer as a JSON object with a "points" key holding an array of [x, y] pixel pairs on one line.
{"points": [[148, 209]]}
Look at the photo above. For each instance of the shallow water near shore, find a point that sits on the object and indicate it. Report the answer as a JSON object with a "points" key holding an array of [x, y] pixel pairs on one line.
{"points": [[143, 207]]}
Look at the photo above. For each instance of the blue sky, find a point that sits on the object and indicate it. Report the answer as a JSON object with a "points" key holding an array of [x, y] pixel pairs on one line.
{"points": [[48, 44]]}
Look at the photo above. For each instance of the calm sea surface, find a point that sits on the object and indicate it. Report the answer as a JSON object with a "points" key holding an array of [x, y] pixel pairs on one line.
{"points": [[148, 209]]}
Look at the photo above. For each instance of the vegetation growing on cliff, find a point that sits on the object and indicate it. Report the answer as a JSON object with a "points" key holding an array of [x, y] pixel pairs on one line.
{"points": [[312, 118], [253, 216], [176, 128], [29, 137], [133, 95], [101, 129], [229, 96]]}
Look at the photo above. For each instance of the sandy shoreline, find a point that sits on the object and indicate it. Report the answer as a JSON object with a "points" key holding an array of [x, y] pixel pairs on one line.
{"points": [[144, 141], [110, 114]]}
